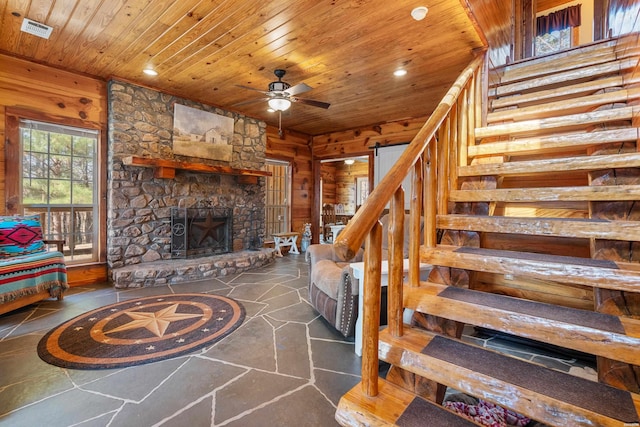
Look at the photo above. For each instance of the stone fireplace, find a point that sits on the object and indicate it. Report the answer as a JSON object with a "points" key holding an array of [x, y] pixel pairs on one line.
{"points": [[140, 246]]}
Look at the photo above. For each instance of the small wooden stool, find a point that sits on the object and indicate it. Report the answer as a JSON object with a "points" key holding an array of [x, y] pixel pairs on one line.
{"points": [[286, 239]]}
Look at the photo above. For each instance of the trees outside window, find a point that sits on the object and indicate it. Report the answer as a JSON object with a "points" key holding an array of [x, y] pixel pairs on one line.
{"points": [[58, 180]]}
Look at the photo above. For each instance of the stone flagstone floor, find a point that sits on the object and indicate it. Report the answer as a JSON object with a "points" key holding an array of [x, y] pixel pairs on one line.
{"points": [[283, 367]]}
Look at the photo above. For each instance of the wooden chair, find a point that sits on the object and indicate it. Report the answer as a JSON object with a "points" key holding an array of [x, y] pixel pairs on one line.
{"points": [[328, 218]]}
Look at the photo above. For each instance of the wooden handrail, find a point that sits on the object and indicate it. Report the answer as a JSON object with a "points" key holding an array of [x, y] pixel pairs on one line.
{"points": [[350, 239]]}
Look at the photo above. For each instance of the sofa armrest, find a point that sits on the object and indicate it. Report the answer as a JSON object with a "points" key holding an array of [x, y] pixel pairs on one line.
{"points": [[317, 252]]}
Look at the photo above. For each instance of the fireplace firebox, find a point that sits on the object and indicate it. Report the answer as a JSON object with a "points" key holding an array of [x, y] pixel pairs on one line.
{"points": [[199, 232]]}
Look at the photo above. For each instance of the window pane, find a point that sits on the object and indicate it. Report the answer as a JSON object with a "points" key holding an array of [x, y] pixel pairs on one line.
{"points": [[59, 181], [60, 167], [35, 191], [82, 193], [59, 192], [60, 143], [553, 42], [39, 141], [83, 146], [34, 165], [82, 169]]}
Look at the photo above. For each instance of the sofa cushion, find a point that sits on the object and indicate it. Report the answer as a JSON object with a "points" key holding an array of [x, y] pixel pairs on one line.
{"points": [[20, 235]]}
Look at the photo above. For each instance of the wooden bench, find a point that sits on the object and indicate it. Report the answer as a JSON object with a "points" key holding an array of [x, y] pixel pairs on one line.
{"points": [[286, 239]]}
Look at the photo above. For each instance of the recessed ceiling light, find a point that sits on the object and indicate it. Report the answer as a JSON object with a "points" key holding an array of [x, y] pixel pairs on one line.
{"points": [[150, 72], [419, 13], [400, 72]]}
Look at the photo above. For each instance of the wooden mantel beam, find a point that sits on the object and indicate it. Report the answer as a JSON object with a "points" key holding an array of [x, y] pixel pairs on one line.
{"points": [[167, 168]]}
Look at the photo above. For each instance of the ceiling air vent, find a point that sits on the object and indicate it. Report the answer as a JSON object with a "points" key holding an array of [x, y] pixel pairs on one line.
{"points": [[36, 28]]}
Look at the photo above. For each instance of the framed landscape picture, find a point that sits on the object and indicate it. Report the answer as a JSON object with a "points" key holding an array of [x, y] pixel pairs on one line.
{"points": [[198, 133]]}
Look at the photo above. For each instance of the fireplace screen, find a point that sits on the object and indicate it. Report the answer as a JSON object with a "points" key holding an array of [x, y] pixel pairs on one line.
{"points": [[200, 231]]}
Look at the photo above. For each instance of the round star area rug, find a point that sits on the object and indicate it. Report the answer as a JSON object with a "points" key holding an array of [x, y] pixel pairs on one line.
{"points": [[141, 330]]}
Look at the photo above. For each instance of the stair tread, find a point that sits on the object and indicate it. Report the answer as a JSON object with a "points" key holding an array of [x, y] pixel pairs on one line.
{"points": [[563, 92], [586, 331], [561, 164], [393, 406], [583, 228], [603, 45], [497, 377], [556, 124], [589, 72], [577, 104], [549, 194], [554, 143], [605, 274]]}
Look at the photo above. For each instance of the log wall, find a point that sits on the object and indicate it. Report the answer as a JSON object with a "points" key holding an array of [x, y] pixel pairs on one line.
{"points": [[294, 148], [57, 94]]}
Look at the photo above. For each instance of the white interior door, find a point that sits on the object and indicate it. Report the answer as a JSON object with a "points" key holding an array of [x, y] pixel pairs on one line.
{"points": [[384, 159]]}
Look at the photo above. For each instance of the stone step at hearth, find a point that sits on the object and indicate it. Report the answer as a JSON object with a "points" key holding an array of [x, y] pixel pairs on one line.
{"points": [[393, 406], [604, 274], [174, 271], [540, 393], [581, 330]]}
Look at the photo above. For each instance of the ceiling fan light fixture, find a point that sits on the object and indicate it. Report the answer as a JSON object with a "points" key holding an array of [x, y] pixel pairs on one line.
{"points": [[279, 104], [419, 13]]}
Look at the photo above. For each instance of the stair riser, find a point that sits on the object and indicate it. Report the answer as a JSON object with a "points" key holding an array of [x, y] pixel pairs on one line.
{"points": [[561, 108], [476, 384], [584, 163], [554, 143], [551, 331], [556, 124], [545, 269], [565, 78], [611, 230]]}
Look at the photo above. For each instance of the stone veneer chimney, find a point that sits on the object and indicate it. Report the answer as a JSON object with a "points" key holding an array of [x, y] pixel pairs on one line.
{"points": [[139, 205]]}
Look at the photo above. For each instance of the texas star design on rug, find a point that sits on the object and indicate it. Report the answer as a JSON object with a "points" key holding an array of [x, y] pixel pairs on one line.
{"points": [[141, 330]]}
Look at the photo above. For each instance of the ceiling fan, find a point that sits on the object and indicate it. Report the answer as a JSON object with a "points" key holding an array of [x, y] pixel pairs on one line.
{"points": [[281, 94]]}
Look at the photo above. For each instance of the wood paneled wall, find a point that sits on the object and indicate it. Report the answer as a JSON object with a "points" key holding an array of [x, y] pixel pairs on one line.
{"points": [[361, 141], [57, 94], [294, 148], [495, 18]]}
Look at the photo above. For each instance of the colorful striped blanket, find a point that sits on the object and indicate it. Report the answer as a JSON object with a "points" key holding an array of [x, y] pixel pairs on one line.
{"points": [[29, 274]]}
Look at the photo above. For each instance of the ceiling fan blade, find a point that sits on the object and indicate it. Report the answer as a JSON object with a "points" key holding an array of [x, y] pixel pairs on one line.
{"points": [[298, 89], [251, 101], [311, 102], [252, 88]]}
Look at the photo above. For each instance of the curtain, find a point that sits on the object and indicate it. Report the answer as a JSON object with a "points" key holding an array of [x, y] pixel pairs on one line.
{"points": [[565, 18]]}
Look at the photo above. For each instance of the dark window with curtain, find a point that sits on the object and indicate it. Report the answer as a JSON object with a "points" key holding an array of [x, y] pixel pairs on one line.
{"points": [[559, 20]]}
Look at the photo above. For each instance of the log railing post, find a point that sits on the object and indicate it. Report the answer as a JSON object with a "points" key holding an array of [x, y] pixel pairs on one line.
{"points": [[431, 194], [416, 237], [371, 314], [396, 256]]}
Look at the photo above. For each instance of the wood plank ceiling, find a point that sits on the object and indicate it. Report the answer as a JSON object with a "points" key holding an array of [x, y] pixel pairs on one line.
{"points": [[346, 50]]}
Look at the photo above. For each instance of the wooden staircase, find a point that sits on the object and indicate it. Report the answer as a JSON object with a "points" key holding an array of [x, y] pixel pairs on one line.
{"points": [[532, 226]]}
